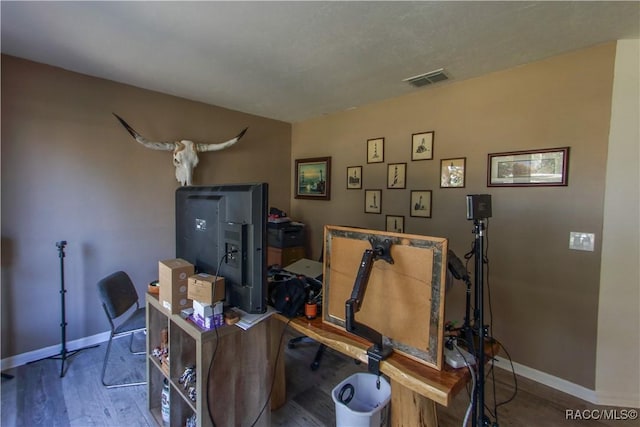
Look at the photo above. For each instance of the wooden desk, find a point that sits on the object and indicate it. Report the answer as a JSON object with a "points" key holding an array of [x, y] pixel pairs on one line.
{"points": [[415, 388]]}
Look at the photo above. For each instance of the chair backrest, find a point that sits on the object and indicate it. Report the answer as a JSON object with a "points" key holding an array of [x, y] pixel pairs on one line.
{"points": [[117, 293]]}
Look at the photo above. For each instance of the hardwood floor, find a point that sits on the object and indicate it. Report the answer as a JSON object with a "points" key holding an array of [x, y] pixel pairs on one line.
{"points": [[37, 396]]}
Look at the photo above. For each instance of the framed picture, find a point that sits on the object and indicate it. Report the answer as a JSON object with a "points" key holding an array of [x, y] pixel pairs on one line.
{"points": [[354, 177], [396, 175], [420, 203], [375, 150], [422, 146], [313, 178], [395, 223], [547, 167], [373, 201], [452, 172]]}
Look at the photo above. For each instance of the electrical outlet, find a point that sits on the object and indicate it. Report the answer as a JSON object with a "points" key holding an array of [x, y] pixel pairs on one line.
{"points": [[581, 241]]}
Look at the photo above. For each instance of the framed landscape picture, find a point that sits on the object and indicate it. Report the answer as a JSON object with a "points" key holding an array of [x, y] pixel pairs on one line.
{"points": [[313, 178], [546, 167]]}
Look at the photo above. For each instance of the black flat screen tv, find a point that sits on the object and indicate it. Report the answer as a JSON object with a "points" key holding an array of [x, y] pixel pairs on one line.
{"points": [[222, 230]]}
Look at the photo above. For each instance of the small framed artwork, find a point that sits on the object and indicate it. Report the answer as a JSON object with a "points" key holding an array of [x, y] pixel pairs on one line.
{"points": [[354, 177], [420, 203], [373, 201], [547, 167], [396, 175], [395, 223], [313, 178], [452, 172], [375, 150], [422, 145]]}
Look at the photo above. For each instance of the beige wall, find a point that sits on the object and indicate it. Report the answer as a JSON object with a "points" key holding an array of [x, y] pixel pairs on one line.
{"points": [[618, 356], [71, 172], [544, 296]]}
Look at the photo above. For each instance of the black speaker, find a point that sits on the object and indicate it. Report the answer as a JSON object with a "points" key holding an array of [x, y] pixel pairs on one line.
{"points": [[478, 206]]}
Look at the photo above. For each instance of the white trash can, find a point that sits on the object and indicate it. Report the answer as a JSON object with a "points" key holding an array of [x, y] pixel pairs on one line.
{"points": [[359, 402]]}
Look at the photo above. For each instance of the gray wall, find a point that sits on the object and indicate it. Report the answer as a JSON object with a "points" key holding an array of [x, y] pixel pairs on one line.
{"points": [[71, 172]]}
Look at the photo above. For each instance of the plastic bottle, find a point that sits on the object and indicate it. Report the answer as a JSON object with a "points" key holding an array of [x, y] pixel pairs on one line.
{"points": [[166, 406]]}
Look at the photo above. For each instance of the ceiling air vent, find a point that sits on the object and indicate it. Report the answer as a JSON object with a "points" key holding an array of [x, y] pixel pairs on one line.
{"points": [[427, 78]]}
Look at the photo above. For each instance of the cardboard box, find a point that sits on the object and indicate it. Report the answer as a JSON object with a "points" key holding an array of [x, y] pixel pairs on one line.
{"points": [[174, 282], [202, 309], [202, 288]]}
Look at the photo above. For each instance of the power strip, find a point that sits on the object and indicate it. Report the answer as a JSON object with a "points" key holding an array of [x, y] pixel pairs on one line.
{"points": [[457, 357]]}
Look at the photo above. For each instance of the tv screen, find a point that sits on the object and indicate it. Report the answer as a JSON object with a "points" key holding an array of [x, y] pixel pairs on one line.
{"points": [[222, 230]]}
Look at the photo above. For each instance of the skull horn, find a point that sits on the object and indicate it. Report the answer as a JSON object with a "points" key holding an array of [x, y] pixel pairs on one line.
{"points": [[154, 145], [222, 145]]}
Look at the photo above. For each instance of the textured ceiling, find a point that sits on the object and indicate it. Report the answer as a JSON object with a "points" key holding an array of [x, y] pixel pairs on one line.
{"points": [[295, 60]]}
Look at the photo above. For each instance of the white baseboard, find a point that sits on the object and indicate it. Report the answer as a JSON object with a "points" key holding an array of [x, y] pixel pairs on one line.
{"points": [[618, 399], [42, 353], [593, 396]]}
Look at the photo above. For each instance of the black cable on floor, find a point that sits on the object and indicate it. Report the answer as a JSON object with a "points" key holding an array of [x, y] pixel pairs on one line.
{"points": [[273, 377]]}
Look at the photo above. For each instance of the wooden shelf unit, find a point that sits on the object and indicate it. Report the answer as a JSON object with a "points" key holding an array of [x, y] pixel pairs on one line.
{"points": [[234, 388]]}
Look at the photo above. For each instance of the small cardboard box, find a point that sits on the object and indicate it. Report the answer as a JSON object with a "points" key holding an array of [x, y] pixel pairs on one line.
{"points": [[202, 309], [202, 288], [174, 281]]}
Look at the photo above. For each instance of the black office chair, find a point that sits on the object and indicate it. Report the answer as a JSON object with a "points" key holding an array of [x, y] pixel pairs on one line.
{"points": [[305, 339], [119, 296]]}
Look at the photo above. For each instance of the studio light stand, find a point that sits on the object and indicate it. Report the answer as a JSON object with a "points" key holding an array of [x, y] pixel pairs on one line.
{"points": [[480, 331], [64, 353], [459, 272], [479, 210]]}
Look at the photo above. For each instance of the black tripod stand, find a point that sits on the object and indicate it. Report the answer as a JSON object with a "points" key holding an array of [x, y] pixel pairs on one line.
{"points": [[64, 354], [479, 330]]}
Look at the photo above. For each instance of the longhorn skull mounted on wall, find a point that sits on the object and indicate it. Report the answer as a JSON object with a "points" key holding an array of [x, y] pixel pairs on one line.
{"points": [[185, 152]]}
